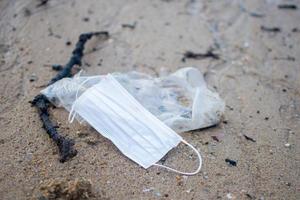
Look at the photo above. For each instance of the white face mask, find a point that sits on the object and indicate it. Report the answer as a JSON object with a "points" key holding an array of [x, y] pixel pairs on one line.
{"points": [[118, 116]]}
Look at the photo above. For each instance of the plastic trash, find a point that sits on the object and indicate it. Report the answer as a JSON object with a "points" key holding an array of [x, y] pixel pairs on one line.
{"points": [[111, 110], [181, 100]]}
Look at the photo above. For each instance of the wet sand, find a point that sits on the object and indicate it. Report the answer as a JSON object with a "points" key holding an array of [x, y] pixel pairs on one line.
{"points": [[258, 75]]}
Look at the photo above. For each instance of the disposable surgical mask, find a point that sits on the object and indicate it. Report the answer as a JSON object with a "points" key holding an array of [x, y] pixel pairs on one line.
{"points": [[118, 116]]}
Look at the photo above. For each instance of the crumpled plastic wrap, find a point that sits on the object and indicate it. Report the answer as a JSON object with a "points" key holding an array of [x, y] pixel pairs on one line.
{"points": [[181, 100]]}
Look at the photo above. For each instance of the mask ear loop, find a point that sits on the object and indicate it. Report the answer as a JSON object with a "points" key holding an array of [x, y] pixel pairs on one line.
{"points": [[72, 113], [186, 173]]}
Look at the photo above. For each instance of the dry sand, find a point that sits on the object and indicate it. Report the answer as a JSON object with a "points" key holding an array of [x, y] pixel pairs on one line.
{"points": [[258, 76]]}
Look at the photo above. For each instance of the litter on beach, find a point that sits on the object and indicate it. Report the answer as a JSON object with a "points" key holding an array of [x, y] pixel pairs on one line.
{"points": [[139, 113]]}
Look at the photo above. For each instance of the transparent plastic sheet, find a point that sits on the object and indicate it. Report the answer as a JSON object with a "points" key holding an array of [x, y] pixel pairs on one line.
{"points": [[181, 100]]}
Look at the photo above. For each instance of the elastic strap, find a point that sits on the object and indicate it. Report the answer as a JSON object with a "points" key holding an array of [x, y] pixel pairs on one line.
{"points": [[185, 173], [72, 113]]}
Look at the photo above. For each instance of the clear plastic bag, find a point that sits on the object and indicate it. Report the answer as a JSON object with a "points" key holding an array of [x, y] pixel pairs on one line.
{"points": [[181, 100]]}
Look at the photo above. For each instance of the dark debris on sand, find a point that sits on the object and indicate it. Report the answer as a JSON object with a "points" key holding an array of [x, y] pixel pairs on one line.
{"points": [[65, 145]]}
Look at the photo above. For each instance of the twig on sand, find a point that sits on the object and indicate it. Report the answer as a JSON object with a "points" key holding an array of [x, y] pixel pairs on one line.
{"points": [[130, 26], [65, 145], [231, 162], [249, 138], [272, 29], [199, 56], [42, 3], [287, 6]]}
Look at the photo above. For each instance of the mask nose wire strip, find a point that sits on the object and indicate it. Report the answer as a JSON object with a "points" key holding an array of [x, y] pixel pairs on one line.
{"points": [[72, 113], [185, 173]]}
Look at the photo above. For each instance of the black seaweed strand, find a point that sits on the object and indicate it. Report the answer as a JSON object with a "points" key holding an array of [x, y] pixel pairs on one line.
{"points": [[65, 145], [288, 6], [200, 56], [77, 55]]}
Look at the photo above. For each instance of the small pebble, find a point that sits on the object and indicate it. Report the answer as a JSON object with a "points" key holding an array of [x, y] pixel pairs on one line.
{"points": [[157, 194], [86, 19], [231, 162], [246, 44], [148, 189], [68, 43], [287, 145], [249, 196], [229, 196], [57, 67], [214, 137], [32, 77]]}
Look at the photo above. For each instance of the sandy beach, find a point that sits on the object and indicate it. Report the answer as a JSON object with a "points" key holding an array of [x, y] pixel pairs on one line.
{"points": [[257, 74]]}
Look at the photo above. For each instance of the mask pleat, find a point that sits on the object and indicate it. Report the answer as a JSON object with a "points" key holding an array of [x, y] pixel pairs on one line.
{"points": [[167, 133], [122, 129], [128, 114], [135, 109]]}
